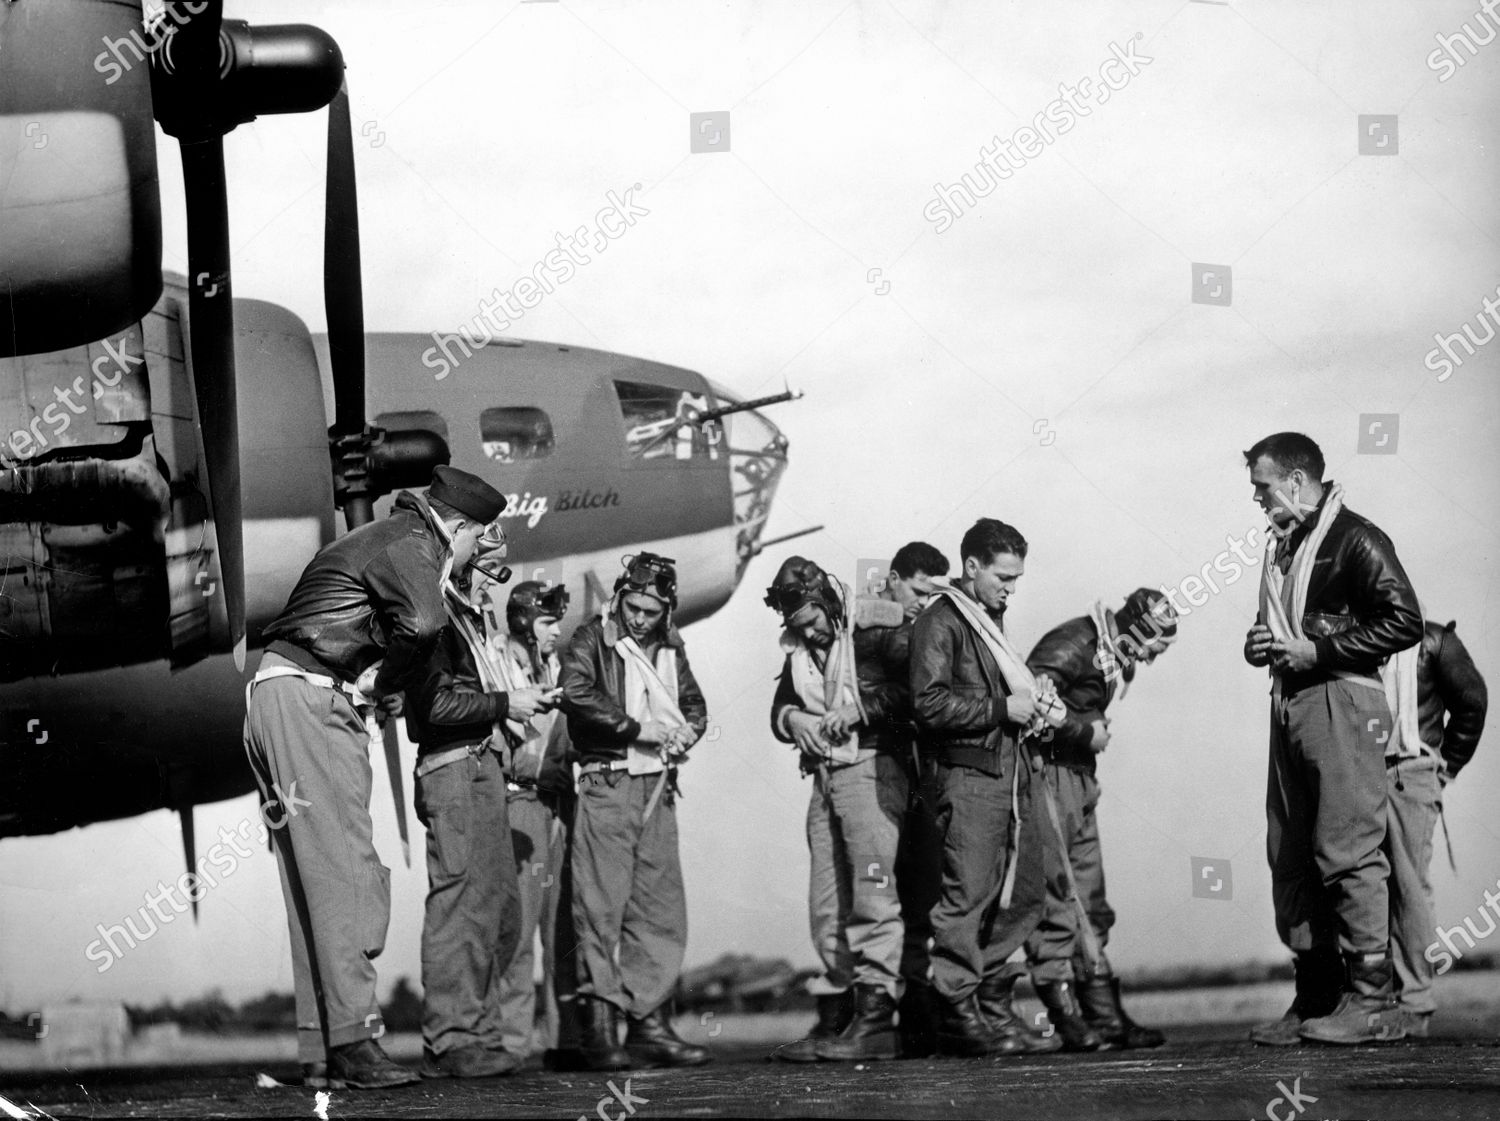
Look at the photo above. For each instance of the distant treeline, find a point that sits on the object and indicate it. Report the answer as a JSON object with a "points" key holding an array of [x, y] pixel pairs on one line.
{"points": [[273, 1012], [403, 1008]]}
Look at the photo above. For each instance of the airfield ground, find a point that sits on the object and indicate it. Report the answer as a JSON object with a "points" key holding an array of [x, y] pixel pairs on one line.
{"points": [[1206, 1070]]}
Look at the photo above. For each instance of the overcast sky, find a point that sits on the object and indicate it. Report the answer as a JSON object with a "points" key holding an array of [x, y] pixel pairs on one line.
{"points": [[1041, 359]]}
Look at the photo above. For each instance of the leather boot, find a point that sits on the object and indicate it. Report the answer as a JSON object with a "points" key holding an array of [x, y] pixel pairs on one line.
{"points": [[1099, 998], [1007, 1029], [598, 1037], [835, 1010], [961, 1029], [916, 1022], [470, 1062], [364, 1066], [1319, 977], [650, 1041], [1061, 1003], [1367, 1011], [871, 1034]]}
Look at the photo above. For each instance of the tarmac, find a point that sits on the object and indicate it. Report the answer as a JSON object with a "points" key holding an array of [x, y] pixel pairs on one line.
{"points": [[1204, 1071]]}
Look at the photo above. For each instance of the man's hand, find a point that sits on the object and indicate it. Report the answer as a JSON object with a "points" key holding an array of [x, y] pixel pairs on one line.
{"points": [[1258, 645], [653, 731], [678, 740], [1020, 708], [836, 725], [392, 704], [526, 703], [1100, 738], [1295, 655], [804, 727]]}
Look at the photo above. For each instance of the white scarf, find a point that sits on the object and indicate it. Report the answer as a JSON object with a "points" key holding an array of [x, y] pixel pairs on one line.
{"points": [[650, 694], [1109, 658], [836, 684], [1283, 596], [1051, 712], [462, 616], [532, 736], [1399, 679], [1283, 602]]}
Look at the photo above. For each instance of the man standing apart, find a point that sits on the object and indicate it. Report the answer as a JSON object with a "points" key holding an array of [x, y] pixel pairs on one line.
{"points": [[540, 801], [842, 699], [634, 709], [460, 715], [974, 701], [1091, 660], [359, 628], [1335, 604], [1448, 684]]}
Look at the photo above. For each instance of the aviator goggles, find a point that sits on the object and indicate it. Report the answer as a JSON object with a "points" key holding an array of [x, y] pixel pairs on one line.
{"points": [[654, 576]]}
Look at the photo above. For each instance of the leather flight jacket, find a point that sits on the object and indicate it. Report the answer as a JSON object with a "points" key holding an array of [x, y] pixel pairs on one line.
{"points": [[371, 594], [1067, 654], [593, 685], [1361, 608], [1448, 683], [882, 667], [958, 693], [449, 704]]}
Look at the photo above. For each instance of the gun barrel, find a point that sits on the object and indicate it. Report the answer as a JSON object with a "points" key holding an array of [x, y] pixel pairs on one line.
{"points": [[743, 406]]}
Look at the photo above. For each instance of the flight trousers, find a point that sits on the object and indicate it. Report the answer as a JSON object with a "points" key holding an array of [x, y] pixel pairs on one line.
{"points": [[472, 921], [919, 876], [1414, 803], [1326, 811], [854, 819], [973, 935], [540, 824], [1055, 949], [309, 752], [629, 908]]}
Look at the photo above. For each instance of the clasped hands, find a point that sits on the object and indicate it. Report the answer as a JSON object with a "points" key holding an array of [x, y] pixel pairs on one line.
{"points": [[817, 735], [672, 739], [1295, 655]]}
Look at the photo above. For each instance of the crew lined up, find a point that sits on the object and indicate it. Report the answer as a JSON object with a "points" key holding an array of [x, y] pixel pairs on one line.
{"points": [[951, 826]]}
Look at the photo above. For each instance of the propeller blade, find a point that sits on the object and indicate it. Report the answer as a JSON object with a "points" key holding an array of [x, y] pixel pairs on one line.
{"points": [[190, 851], [393, 765], [211, 349], [342, 293]]}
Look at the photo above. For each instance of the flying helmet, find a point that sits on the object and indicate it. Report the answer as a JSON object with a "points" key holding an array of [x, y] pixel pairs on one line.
{"points": [[649, 574], [529, 601], [800, 582]]}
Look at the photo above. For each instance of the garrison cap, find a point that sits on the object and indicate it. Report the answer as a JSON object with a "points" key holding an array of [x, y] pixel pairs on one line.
{"points": [[468, 494]]}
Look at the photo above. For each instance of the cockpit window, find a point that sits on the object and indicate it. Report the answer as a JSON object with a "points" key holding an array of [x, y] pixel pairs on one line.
{"points": [[658, 422], [514, 433], [421, 418]]}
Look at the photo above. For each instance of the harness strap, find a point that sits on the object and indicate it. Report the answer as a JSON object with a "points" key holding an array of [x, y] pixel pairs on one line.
{"points": [[430, 763]]}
